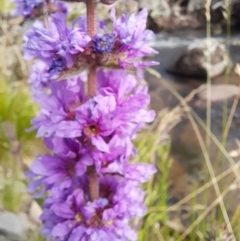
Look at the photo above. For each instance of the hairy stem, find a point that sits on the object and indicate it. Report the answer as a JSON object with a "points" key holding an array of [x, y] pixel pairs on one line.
{"points": [[92, 81], [93, 184], [91, 17], [91, 28]]}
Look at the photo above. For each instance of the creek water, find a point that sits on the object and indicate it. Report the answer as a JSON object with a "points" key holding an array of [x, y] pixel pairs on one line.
{"points": [[189, 168]]}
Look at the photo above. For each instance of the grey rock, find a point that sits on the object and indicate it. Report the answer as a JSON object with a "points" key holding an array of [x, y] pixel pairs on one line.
{"points": [[219, 92], [194, 61], [2, 238], [35, 212], [12, 227]]}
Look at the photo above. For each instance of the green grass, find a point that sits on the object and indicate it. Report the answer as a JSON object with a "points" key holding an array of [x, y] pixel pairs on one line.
{"points": [[205, 219]]}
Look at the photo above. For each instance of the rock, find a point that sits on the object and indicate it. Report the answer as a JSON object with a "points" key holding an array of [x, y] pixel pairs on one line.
{"points": [[12, 227], [166, 15], [235, 13], [35, 212], [193, 62], [17, 227], [173, 14], [219, 92], [2, 238]]}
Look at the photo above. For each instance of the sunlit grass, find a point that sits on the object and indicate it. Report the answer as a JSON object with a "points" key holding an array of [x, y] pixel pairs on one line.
{"points": [[192, 232], [6, 6]]}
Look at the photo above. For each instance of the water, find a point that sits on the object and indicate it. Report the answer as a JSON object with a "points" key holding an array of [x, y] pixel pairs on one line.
{"points": [[188, 171]]}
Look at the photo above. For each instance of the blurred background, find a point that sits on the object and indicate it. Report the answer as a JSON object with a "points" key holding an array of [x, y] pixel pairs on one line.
{"points": [[194, 141]]}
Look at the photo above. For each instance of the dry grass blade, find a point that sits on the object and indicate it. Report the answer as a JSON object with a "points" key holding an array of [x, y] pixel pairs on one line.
{"points": [[16, 49], [211, 171], [204, 214], [200, 121]]}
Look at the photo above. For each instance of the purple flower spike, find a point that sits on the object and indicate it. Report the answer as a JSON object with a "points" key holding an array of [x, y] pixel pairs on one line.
{"points": [[91, 190]]}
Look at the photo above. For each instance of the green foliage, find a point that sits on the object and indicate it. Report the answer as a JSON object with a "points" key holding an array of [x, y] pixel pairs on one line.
{"points": [[157, 189], [12, 193], [36, 236], [16, 111], [157, 224]]}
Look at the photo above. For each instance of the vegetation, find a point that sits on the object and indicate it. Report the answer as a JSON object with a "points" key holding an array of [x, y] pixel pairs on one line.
{"points": [[207, 220]]}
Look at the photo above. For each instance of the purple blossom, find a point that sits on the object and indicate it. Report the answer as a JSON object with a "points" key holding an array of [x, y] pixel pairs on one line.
{"points": [[59, 108], [140, 172], [71, 50], [119, 108], [51, 43], [132, 38], [39, 77], [97, 120], [92, 190], [26, 7], [56, 67], [131, 99], [61, 7], [106, 218], [103, 44], [116, 161], [61, 169], [34, 8], [78, 40]]}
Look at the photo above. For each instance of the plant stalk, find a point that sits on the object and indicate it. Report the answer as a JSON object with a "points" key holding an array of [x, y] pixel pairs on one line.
{"points": [[91, 29]]}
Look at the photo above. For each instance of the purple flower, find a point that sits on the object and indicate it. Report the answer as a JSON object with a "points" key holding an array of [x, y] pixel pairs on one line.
{"points": [[131, 99], [70, 51], [59, 109], [39, 77], [103, 44], [92, 190], [119, 108], [140, 172], [116, 161], [34, 8], [27, 7], [78, 40], [106, 218], [61, 7], [61, 169], [97, 120], [132, 38], [51, 43]]}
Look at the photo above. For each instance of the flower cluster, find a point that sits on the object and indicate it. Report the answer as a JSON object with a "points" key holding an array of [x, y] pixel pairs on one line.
{"points": [[93, 190], [35, 8], [83, 133], [69, 51]]}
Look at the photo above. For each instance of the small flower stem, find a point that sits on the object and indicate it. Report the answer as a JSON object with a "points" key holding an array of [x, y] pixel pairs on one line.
{"points": [[91, 17], [93, 184], [91, 29], [92, 81]]}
